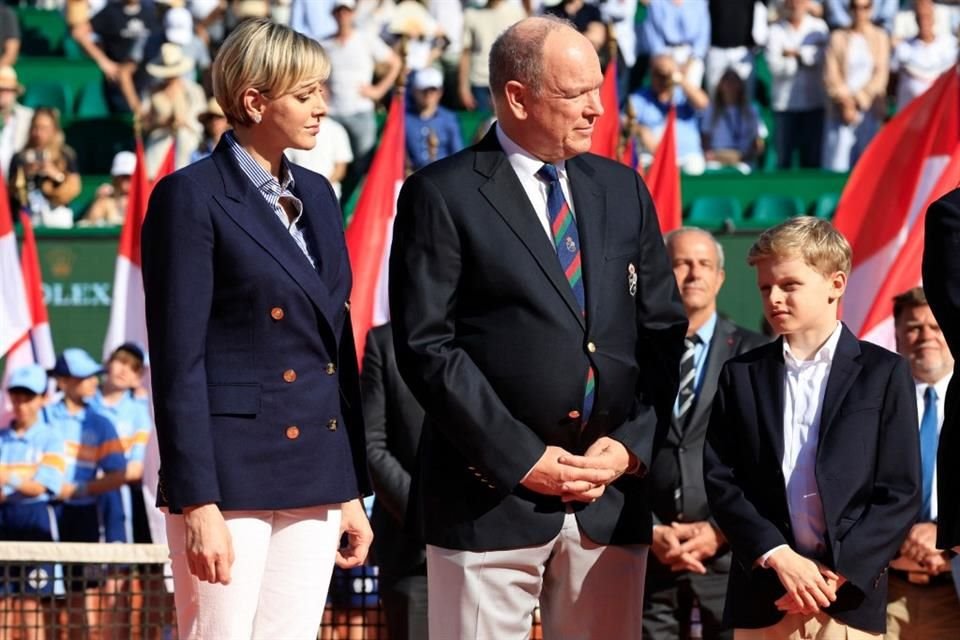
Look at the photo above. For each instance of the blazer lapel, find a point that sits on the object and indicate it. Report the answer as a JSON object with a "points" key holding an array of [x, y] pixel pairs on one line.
{"points": [[590, 210], [250, 212], [505, 193], [767, 373], [843, 371]]}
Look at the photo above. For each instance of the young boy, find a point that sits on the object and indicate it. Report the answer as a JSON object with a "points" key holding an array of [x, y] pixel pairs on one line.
{"points": [[31, 474], [812, 464]]}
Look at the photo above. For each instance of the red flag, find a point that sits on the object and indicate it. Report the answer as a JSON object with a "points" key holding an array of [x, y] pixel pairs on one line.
{"points": [[629, 156], [14, 311], [370, 232], [606, 130], [663, 177], [883, 203], [169, 164]]}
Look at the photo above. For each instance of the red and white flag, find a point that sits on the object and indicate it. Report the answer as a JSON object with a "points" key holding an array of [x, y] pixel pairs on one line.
{"points": [[663, 177], [606, 130], [14, 310], [370, 232], [909, 164], [35, 346]]}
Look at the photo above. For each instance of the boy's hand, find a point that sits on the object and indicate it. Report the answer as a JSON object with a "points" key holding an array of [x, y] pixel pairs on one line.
{"points": [[810, 587]]}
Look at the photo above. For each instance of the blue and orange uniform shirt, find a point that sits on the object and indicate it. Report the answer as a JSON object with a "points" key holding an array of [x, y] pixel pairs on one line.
{"points": [[131, 419], [36, 453], [91, 443]]}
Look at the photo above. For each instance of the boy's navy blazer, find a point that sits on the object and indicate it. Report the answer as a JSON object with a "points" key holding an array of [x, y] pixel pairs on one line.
{"points": [[867, 468], [254, 370]]}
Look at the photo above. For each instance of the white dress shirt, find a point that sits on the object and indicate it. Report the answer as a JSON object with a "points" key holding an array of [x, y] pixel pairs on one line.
{"points": [[526, 166], [797, 82], [941, 388], [804, 384]]}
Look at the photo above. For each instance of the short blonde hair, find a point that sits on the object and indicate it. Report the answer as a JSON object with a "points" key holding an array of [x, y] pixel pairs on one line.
{"points": [[814, 240], [268, 57]]}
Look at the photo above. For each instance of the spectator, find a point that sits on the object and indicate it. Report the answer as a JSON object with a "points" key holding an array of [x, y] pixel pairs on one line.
{"points": [[14, 117], [109, 207], [919, 61], [839, 14], [795, 50], [586, 17], [314, 18], [9, 36], [622, 15], [733, 134], [481, 26], [114, 38], [330, 157], [353, 95], [432, 132], [856, 72], [680, 29], [170, 113], [449, 16], [425, 41], [214, 123], [43, 176], [732, 40], [31, 474], [669, 86], [178, 29]]}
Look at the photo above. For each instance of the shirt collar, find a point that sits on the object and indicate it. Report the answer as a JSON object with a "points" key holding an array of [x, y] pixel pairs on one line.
{"points": [[823, 355], [522, 161], [705, 333], [940, 385], [266, 183]]}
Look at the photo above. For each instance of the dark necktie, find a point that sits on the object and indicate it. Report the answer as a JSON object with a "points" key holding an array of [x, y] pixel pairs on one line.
{"points": [[928, 448], [566, 241], [688, 378]]}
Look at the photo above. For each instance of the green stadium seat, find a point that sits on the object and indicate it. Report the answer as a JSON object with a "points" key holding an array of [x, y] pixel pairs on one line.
{"points": [[768, 210], [49, 94], [91, 102], [715, 213], [42, 31], [72, 74], [96, 140], [825, 205]]}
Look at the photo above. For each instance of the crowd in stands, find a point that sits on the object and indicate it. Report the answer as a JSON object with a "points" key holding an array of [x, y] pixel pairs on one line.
{"points": [[771, 84]]}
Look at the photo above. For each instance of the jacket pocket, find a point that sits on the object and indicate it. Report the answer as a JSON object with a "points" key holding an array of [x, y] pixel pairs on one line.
{"points": [[234, 399]]}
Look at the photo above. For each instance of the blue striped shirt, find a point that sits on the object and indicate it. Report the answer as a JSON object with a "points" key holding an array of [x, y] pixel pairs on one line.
{"points": [[272, 190]]}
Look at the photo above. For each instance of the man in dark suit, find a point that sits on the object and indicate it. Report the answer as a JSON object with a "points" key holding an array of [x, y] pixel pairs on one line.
{"points": [[691, 558], [394, 420], [536, 320], [941, 282]]}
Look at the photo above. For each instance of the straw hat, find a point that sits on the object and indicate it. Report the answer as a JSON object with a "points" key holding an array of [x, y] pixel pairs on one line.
{"points": [[171, 62], [213, 111], [8, 80], [412, 19]]}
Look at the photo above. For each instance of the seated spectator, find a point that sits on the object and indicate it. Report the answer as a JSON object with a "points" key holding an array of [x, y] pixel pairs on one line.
{"points": [[856, 72], [732, 40], [114, 38], [680, 29], [669, 86], [43, 177], [840, 15], [14, 117], [330, 156], [481, 26], [733, 134], [9, 37], [170, 112], [795, 49], [109, 207], [214, 123], [432, 132], [919, 61], [585, 17], [412, 26]]}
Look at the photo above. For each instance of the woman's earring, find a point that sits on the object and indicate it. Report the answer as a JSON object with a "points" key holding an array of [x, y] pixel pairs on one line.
{"points": [[256, 118]]}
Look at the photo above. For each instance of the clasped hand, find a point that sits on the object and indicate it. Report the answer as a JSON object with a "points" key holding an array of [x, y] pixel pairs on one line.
{"points": [[683, 546], [810, 585], [578, 478]]}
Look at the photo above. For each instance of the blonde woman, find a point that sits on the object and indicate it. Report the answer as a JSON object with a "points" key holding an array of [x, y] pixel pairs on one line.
{"points": [[46, 167], [255, 379]]}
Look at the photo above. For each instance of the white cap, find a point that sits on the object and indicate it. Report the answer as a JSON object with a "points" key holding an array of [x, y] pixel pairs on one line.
{"points": [[178, 26], [349, 4], [124, 164], [428, 78]]}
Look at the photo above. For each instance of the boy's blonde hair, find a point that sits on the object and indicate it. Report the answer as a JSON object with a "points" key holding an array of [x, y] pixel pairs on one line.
{"points": [[814, 240], [268, 57]]}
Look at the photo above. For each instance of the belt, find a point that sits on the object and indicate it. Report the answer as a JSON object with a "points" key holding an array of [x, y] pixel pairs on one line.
{"points": [[921, 579]]}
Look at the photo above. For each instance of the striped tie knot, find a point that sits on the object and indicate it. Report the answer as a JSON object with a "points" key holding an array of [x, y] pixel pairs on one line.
{"points": [[688, 377]]}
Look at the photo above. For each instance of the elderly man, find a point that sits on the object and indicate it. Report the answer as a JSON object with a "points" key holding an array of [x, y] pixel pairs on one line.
{"points": [[691, 559], [536, 320], [922, 602]]}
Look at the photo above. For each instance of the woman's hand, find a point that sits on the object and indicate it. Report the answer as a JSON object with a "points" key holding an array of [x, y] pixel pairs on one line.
{"points": [[354, 523], [209, 546]]}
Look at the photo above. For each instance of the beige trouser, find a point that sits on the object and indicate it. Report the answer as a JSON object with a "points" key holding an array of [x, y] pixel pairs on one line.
{"points": [[798, 626], [586, 591], [922, 612]]}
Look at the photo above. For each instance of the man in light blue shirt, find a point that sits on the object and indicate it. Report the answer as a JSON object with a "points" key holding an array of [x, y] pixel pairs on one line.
{"points": [[680, 30]]}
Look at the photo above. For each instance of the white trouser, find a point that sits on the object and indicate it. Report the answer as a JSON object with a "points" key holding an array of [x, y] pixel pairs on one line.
{"points": [[586, 591], [279, 579]]}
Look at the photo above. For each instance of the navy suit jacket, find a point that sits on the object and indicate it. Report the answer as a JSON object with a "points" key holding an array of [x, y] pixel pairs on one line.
{"points": [[867, 469], [254, 371], [495, 347]]}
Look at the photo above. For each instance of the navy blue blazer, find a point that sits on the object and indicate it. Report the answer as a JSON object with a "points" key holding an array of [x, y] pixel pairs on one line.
{"points": [[867, 469], [254, 370]]}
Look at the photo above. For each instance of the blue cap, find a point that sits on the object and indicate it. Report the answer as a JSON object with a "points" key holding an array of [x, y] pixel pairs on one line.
{"points": [[135, 349], [31, 377], [76, 363]]}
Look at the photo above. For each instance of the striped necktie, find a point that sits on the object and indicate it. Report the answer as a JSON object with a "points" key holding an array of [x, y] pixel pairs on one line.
{"points": [[566, 240], [688, 379]]}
